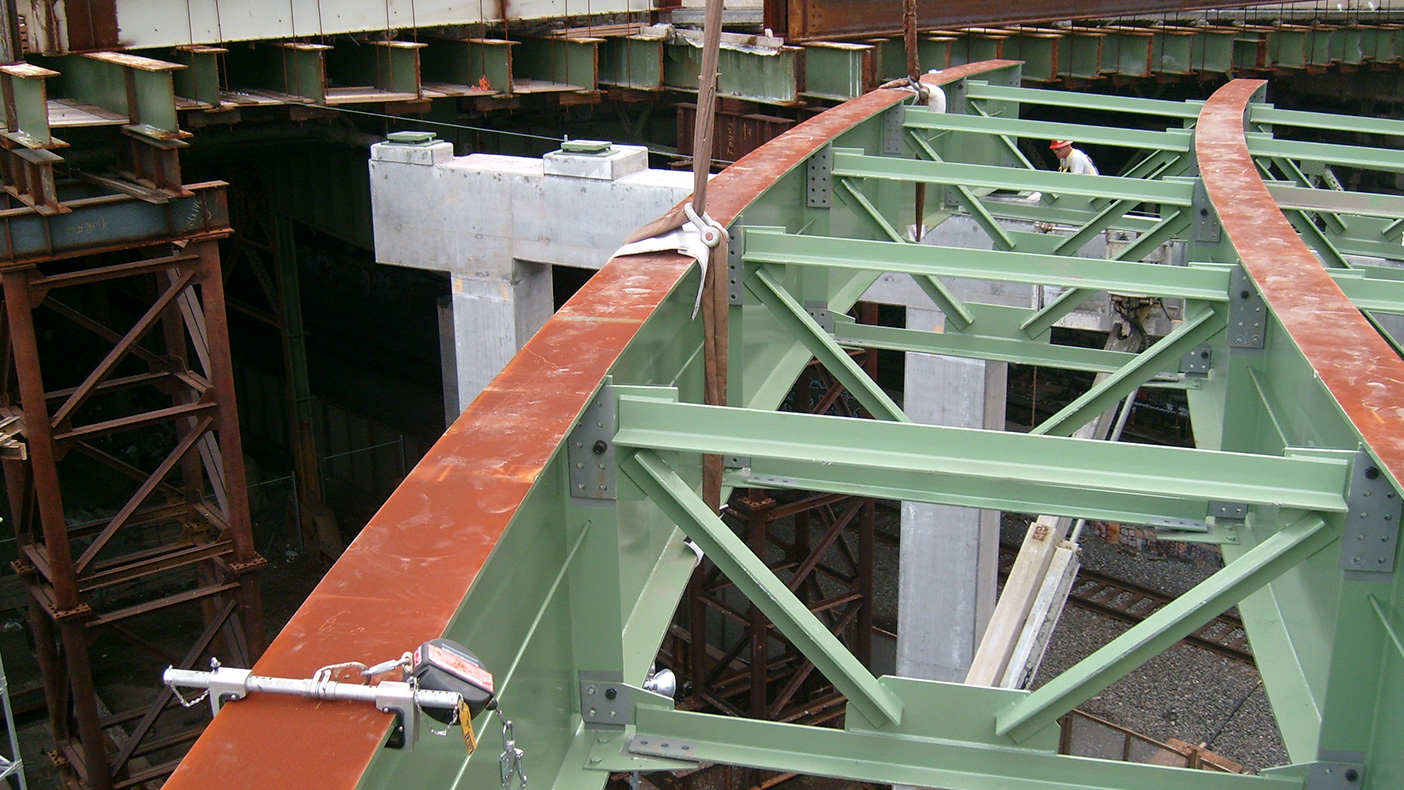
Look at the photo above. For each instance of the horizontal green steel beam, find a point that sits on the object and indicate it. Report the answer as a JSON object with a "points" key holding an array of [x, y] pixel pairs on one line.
{"points": [[758, 583], [1320, 121], [1020, 351], [956, 764], [1176, 620], [954, 465], [1171, 140], [847, 163], [1369, 293], [1365, 204], [1077, 100], [1185, 282], [1348, 155]]}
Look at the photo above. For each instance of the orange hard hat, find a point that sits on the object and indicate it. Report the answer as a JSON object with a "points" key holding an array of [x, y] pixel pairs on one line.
{"points": [[1056, 144]]}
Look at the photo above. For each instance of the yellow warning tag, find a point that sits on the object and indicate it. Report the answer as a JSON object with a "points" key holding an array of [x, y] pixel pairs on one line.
{"points": [[465, 720]]}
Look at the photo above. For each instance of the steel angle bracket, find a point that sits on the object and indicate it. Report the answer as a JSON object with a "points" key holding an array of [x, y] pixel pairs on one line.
{"points": [[736, 266], [654, 746], [590, 448], [1197, 362], [1206, 219], [892, 129], [1247, 318], [1336, 771], [606, 702], [820, 193], [1236, 511], [821, 314], [1370, 538]]}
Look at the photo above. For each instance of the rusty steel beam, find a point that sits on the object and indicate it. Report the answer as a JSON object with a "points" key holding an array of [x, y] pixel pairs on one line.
{"points": [[1355, 363]]}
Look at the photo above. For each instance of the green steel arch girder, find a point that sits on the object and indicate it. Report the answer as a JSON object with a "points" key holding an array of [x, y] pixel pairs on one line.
{"points": [[485, 544]]}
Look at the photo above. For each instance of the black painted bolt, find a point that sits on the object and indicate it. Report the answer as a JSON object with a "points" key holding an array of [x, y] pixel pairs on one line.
{"points": [[1351, 774], [1372, 473], [611, 693], [600, 447], [1243, 294]]}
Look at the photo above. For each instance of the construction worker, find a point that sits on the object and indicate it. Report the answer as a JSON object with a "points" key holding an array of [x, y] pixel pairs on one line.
{"points": [[1072, 160]]}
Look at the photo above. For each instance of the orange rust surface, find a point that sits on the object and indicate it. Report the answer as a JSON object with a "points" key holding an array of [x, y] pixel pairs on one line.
{"points": [[403, 578], [1349, 356]]}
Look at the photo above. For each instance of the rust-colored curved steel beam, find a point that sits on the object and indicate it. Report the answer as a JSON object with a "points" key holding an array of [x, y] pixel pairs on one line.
{"points": [[1363, 373], [404, 577]]}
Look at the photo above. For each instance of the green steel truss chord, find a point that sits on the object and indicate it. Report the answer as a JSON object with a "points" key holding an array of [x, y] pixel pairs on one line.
{"points": [[1171, 225], [1347, 155], [797, 320], [1371, 293], [1077, 100], [759, 584], [1102, 220], [1170, 140], [1044, 474], [1318, 121], [1207, 600], [1053, 312], [1337, 202], [967, 199], [971, 762], [957, 315], [1164, 355], [1021, 351], [1317, 240], [1207, 284], [848, 163]]}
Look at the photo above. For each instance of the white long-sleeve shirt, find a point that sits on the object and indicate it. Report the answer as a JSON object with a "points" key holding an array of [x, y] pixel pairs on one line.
{"points": [[1077, 162]]}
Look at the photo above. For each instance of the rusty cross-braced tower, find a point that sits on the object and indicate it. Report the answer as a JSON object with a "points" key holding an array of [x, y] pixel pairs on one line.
{"points": [[155, 544], [170, 526]]}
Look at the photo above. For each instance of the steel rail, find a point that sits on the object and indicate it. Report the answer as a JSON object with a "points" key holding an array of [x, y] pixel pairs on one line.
{"points": [[378, 600], [1362, 372]]}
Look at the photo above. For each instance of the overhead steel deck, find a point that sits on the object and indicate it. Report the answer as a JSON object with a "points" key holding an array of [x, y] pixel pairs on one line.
{"points": [[560, 560]]}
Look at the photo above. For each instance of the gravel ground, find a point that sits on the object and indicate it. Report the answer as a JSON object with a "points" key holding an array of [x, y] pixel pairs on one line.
{"points": [[1186, 693]]}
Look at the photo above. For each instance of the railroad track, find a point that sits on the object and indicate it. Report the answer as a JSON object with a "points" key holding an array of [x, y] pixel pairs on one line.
{"points": [[1130, 603]]}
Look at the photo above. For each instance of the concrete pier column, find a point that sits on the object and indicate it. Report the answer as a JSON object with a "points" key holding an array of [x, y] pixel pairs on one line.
{"points": [[949, 555], [493, 317]]}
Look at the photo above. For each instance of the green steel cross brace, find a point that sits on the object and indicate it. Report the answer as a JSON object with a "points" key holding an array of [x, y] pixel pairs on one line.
{"points": [[760, 585]]}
